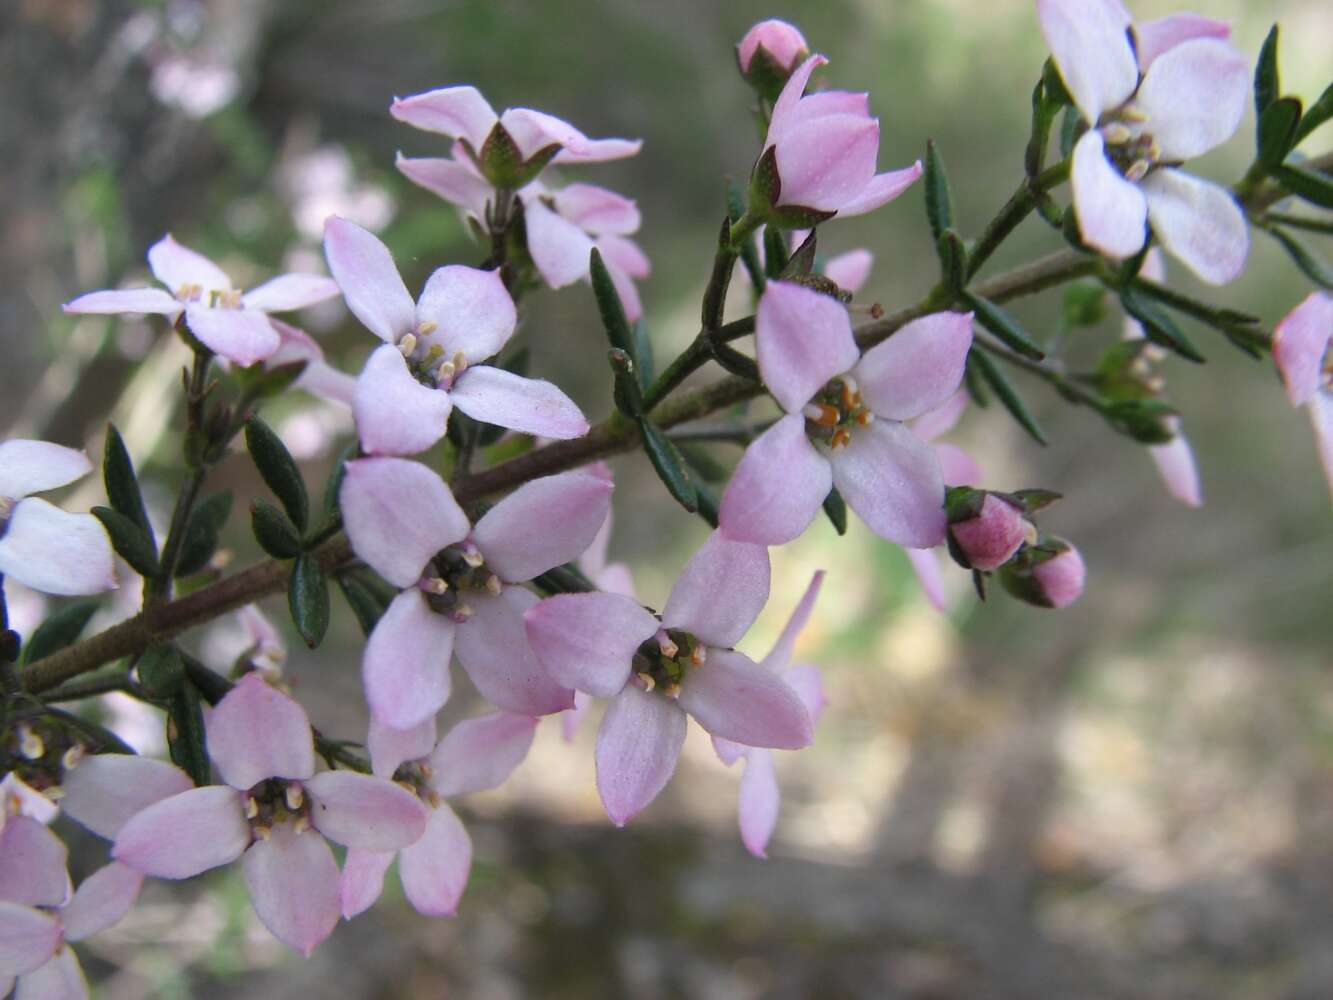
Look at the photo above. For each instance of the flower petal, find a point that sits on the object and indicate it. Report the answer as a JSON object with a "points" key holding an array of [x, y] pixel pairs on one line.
{"points": [[1152, 38], [586, 641], [57, 553], [32, 864], [1092, 51], [1321, 419], [293, 883], [777, 488], [450, 179], [527, 405], [1199, 223], [720, 592], [733, 697], [1111, 210], [926, 565], [759, 799], [942, 419], [1194, 97], [828, 162], [28, 467], [178, 266], [533, 130], [850, 270], [626, 255], [360, 810], [471, 309], [405, 666], [371, 284], [596, 210], [638, 745], [784, 108], [1175, 463], [481, 753], [918, 368], [395, 414], [398, 514], [957, 466], [256, 732], [291, 291], [125, 300], [779, 657], [880, 190], [572, 718], [59, 979], [802, 340], [458, 112], [186, 834], [362, 880], [28, 939], [435, 869], [101, 900], [107, 789], [1300, 342], [559, 248], [493, 648], [390, 748], [543, 523], [892, 479], [808, 684], [244, 336]]}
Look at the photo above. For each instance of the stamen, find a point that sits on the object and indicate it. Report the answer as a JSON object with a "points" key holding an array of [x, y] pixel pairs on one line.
{"points": [[54, 794], [646, 682], [666, 645], [698, 655], [251, 807], [295, 796], [301, 825], [671, 690], [823, 414], [462, 613], [493, 585], [1133, 113], [408, 345], [426, 327], [472, 555], [865, 418], [445, 374], [1117, 134], [434, 585], [460, 362], [31, 745], [263, 832], [842, 437], [71, 757], [1137, 171]]}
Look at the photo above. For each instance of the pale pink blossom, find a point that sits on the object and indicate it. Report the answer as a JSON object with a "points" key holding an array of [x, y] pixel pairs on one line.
{"points": [[318, 377], [657, 670], [461, 583], [273, 813], [431, 359], [1050, 574], [844, 424], [779, 41], [1300, 349], [988, 539], [475, 755], [1183, 93], [231, 323], [42, 546]]}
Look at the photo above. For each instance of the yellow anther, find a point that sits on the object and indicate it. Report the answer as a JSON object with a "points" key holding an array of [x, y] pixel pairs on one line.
{"points": [[671, 690], [426, 327], [31, 745], [301, 825], [473, 557], [54, 794], [435, 585], [263, 832], [460, 362], [445, 372], [669, 648], [1117, 134], [493, 585], [823, 414], [647, 681], [842, 437], [1137, 171], [71, 757], [463, 612], [698, 656], [251, 807], [865, 418], [1133, 113], [408, 345], [295, 796]]}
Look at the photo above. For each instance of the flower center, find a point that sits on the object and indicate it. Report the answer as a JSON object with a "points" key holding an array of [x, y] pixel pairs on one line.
{"points": [[274, 801], [7, 505], [415, 776], [229, 298], [1129, 145], [452, 574], [427, 363], [834, 411], [662, 662]]}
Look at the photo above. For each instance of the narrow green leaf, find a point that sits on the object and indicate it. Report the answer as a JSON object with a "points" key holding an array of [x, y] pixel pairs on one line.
{"points": [[1314, 268], [1069, 130], [273, 531], [999, 322], [669, 466], [161, 671], [202, 533], [366, 604], [627, 392], [1158, 326], [1084, 304], [776, 251], [262, 382], [1277, 131], [308, 600], [1144, 420], [974, 383], [953, 260], [939, 202], [278, 468], [1318, 113], [835, 509], [129, 540], [94, 737], [708, 504], [609, 305], [1007, 394], [58, 631], [643, 354], [1267, 82], [565, 579], [122, 485], [1310, 185], [701, 461], [185, 734], [333, 488]]}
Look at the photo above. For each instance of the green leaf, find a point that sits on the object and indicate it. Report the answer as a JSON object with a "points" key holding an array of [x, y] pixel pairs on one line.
{"points": [[1035, 500], [1084, 304], [1267, 83], [261, 382], [1158, 326], [1144, 420], [1006, 393], [707, 502], [129, 540], [122, 485], [278, 468], [609, 305], [1314, 268], [835, 509], [367, 605], [953, 260], [1069, 129], [273, 531], [627, 392], [1004, 326], [669, 466], [776, 252], [333, 488], [58, 631], [565, 579], [939, 202], [643, 354], [1310, 185], [202, 533], [975, 385], [185, 734], [1277, 131], [308, 600], [161, 671], [1318, 113]]}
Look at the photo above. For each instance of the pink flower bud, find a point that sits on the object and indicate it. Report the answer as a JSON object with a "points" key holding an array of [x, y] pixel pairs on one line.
{"points": [[1061, 579], [990, 538], [780, 41]]}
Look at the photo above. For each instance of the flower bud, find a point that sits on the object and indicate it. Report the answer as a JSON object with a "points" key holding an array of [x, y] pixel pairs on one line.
{"points": [[1048, 575], [768, 54], [985, 536]]}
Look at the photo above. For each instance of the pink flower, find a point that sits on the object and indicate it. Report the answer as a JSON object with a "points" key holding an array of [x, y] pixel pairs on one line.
{"points": [[41, 546], [989, 538], [844, 423], [759, 796], [659, 670], [228, 322], [475, 755], [274, 813], [39, 917], [1300, 349], [1050, 574], [823, 148], [460, 583], [319, 378], [779, 42], [1181, 95], [431, 359]]}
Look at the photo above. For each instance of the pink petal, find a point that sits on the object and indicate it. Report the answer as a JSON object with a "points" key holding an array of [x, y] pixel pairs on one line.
{"points": [[57, 553], [586, 641], [1175, 463], [244, 336], [957, 466], [101, 900], [1194, 97], [527, 405], [892, 479], [59, 979], [369, 279], [720, 592], [559, 248], [1088, 40], [28, 467], [533, 130], [360, 810], [784, 108], [125, 300], [850, 270], [481, 753], [542, 524], [942, 419], [616, 579], [990, 539], [637, 747], [256, 732], [597, 210], [395, 414], [391, 748], [405, 666], [926, 565], [880, 190], [32, 864], [779, 657], [458, 112], [1062, 578], [493, 648], [293, 883], [1300, 341], [449, 179], [362, 880], [783, 42], [1321, 419], [625, 287], [398, 515], [28, 939], [471, 309], [107, 789], [626, 255], [808, 684], [759, 800], [827, 162], [824, 103], [593, 560], [729, 751], [572, 718], [1111, 210], [1152, 38], [802, 340], [435, 869], [1199, 223], [186, 834], [291, 291], [21, 799], [918, 368], [178, 266], [733, 697]]}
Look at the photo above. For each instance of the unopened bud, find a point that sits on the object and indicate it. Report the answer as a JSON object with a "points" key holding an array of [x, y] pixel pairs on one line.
{"points": [[1051, 577], [986, 537], [768, 54]]}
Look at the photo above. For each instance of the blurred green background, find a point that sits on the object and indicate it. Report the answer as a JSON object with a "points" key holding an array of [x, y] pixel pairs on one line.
{"points": [[1131, 798]]}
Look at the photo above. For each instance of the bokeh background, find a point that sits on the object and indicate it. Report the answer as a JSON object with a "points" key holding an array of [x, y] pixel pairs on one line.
{"points": [[1131, 798]]}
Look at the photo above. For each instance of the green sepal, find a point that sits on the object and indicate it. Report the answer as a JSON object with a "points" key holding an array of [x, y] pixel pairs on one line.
{"points": [[766, 75], [765, 185], [939, 200], [1144, 420], [185, 734], [308, 600], [802, 262], [776, 252], [1053, 85], [58, 631], [279, 470], [614, 321], [203, 532], [835, 509], [1267, 82], [963, 503], [122, 484], [161, 671], [797, 216], [1308, 185], [130, 541], [999, 322], [669, 466], [1158, 326], [1007, 394], [275, 534], [501, 161], [1070, 125], [1277, 132], [1033, 501]]}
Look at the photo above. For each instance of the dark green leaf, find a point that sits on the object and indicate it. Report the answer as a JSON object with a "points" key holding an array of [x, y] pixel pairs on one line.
{"points": [[94, 737], [627, 392], [975, 384], [1310, 185], [835, 509], [202, 533], [259, 382], [273, 531], [953, 260], [707, 503], [609, 305], [185, 734], [939, 202], [776, 252], [1006, 393], [58, 631], [161, 671], [367, 605], [1267, 82], [643, 354], [1314, 268], [1004, 326], [129, 540], [1069, 129], [122, 485], [705, 466], [1145, 420], [333, 488], [308, 600], [1034, 500], [1158, 326], [1277, 131], [1318, 113], [566, 579], [669, 466], [276, 465]]}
